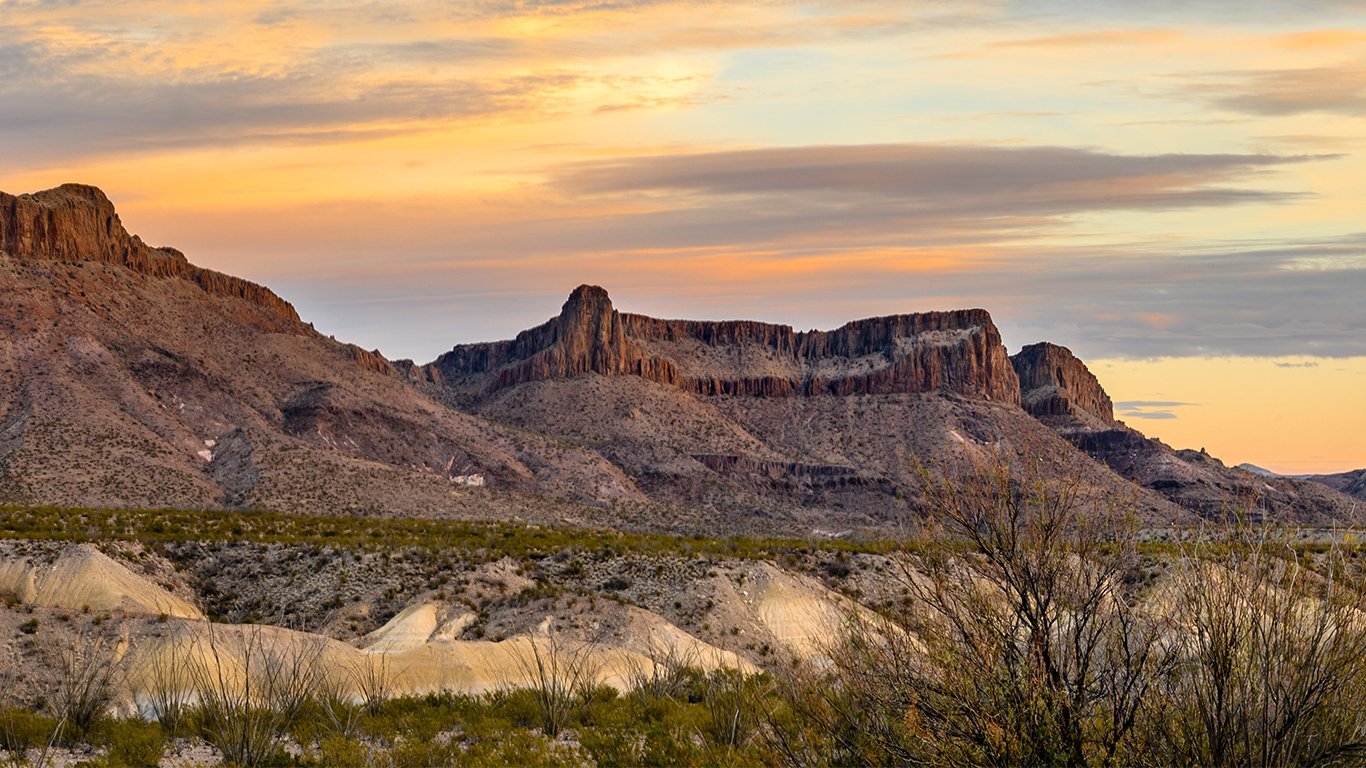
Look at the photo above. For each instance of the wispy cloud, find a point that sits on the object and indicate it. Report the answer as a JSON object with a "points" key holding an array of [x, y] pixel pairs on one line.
{"points": [[895, 195], [1331, 90], [96, 115], [1106, 37], [1042, 177], [1150, 409]]}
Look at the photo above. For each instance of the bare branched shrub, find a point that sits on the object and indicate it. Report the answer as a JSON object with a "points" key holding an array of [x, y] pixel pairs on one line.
{"points": [[362, 686], [373, 679], [250, 688], [665, 672], [88, 675], [561, 672], [734, 704], [163, 685], [1020, 641], [1271, 642]]}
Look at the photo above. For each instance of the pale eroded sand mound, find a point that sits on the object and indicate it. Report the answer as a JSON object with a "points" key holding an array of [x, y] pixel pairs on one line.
{"points": [[797, 612], [85, 578], [413, 653], [801, 613], [654, 636], [417, 625]]}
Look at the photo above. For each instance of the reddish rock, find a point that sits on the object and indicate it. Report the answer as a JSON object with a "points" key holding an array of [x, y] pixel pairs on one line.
{"points": [[75, 222], [958, 352], [370, 360], [1053, 382]]}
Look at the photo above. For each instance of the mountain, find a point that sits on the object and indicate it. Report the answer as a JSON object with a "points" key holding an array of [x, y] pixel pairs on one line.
{"points": [[758, 421], [131, 377], [1352, 483], [1256, 470], [1062, 393]]}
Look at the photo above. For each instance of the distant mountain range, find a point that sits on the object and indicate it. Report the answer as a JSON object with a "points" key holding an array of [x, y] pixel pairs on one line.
{"points": [[1352, 482], [133, 378]]}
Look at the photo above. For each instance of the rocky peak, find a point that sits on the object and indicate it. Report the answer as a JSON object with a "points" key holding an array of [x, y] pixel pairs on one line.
{"points": [[77, 222], [1053, 382], [956, 352], [590, 330], [588, 295]]}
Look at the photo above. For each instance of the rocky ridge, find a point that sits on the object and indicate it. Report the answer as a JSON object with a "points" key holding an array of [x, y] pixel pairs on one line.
{"points": [[1060, 391], [1352, 483], [1053, 382], [76, 222], [958, 352], [129, 377]]}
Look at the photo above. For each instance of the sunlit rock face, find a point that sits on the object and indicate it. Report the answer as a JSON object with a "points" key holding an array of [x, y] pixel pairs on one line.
{"points": [[76, 222], [1053, 382], [958, 352]]}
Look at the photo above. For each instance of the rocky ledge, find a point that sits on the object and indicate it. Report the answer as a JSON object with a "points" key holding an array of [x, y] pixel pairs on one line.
{"points": [[959, 352], [1053, 382], [75, 222]]}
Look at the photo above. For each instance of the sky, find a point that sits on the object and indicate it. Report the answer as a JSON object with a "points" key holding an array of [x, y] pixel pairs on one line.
{"points": [[1173, 190]]}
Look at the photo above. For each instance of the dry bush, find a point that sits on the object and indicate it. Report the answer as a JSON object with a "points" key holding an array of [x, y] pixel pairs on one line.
{"points": [[1027, 638], [666, 672], [1271, 650], [561, 672], [373, 681], [1020, 642], [87, 678], [248, 690], [163, 689]]}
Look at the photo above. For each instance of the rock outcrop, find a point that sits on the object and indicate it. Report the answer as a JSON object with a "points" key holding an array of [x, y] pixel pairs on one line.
{"points": [[1053, 382], [1059, 390], [958, 352], [75, 222]]}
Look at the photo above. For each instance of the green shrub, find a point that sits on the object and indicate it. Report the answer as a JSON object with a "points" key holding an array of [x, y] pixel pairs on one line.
{"points": [[613, 747], [22, 729], [414, 753], [519, 749], [132, 743], [341, 752]]}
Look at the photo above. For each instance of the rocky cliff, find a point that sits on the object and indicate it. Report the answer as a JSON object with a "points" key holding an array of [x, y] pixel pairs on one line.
{"points": [[1059, 390], [958, 352], [1053, 382], [75, 222]]}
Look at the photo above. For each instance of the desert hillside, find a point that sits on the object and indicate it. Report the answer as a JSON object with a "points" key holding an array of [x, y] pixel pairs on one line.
{"points": [[132, 378]]}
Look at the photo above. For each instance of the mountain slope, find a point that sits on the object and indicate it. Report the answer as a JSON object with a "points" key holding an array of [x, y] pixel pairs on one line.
{"points": [[826, 429], [130, 377], [1352, 483], [1062, 393]]}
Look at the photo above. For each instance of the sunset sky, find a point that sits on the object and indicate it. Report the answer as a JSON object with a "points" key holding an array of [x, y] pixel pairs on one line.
{"points": [[1174, 190]]}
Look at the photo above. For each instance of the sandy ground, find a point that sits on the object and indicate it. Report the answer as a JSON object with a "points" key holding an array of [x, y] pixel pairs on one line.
{"points": [[85, 579]]}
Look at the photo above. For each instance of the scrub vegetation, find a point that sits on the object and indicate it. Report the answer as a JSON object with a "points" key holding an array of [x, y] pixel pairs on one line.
{"points": [[1032, 628]]}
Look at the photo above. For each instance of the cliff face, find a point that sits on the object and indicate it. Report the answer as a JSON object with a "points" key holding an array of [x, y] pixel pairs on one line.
{"points": [[1053, 382], [957, 352], [75, 222]]}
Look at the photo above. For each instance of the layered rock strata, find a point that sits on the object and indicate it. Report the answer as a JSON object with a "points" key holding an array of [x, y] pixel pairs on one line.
{"points": [[75, 222], [957, 352], [1053, 382]]}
